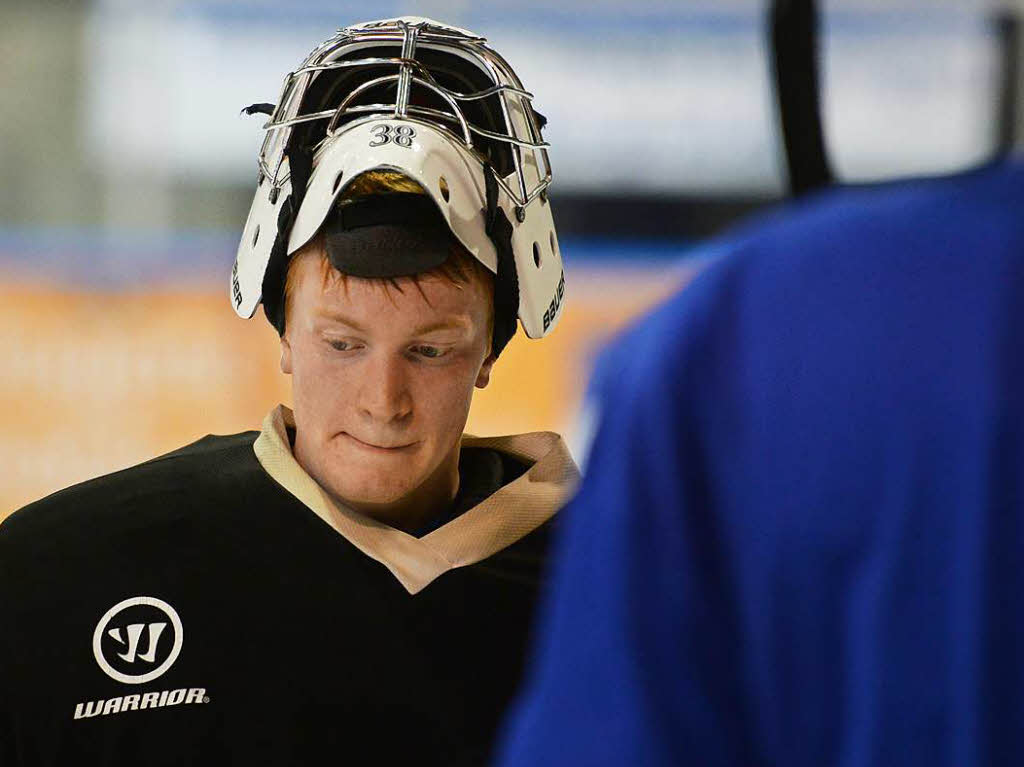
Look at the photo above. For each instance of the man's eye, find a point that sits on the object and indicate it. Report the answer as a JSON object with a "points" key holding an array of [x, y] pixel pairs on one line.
{"points": [[430, 352], [341, 346]]}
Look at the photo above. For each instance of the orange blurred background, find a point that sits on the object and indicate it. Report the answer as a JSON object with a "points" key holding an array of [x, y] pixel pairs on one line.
{"points": [[95, 381]]}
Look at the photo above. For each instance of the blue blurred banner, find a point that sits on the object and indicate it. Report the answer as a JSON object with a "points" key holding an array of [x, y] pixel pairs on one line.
{"points": [[99, 259]]}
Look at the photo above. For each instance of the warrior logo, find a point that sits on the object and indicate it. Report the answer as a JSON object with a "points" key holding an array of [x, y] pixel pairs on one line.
{"points": [[140, 702], [137, 640]]}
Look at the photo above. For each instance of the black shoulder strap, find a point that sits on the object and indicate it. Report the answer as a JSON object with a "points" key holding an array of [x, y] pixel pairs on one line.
{"points": [[794, 46]]}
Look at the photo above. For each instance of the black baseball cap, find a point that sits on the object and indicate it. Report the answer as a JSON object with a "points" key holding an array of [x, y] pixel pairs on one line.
{"points": [[388, 235]]}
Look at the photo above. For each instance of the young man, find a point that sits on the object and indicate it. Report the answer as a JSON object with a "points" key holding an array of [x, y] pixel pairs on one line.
{"points": [[357, 579]]}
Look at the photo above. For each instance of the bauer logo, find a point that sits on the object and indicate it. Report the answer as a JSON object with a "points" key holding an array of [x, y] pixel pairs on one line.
{"points": [[138, 640], [556, 302], [236, 288]]}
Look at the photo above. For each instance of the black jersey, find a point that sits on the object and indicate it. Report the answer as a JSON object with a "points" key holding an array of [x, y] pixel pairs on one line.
{"points": [[213, 606]]}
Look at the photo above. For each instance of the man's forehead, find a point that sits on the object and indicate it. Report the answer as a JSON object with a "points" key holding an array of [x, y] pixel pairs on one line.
{"points": [[425, 304], [320, 291]]}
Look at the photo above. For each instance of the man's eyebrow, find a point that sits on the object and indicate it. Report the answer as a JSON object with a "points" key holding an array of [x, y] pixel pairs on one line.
{"points": [[449, 323], [342, 319]]}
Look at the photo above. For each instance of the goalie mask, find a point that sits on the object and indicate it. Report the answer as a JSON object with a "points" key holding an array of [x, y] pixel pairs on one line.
{"points": [[433, 103]]}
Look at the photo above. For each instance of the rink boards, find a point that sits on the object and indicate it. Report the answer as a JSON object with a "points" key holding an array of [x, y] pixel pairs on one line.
{"points": [[100, 376]]}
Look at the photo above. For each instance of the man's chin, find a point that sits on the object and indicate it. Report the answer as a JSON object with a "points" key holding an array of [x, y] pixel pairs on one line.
{"points": [[373, 493]]}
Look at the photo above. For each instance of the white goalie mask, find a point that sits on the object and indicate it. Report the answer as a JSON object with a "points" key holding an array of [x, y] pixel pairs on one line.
{"points": [[436, 104]]}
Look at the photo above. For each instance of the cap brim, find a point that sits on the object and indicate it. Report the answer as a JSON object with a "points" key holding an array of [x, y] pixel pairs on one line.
{"points": [[387, 250]]}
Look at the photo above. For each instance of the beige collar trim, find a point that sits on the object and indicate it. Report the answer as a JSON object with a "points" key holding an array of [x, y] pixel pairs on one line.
{"points": [[497, 522]]}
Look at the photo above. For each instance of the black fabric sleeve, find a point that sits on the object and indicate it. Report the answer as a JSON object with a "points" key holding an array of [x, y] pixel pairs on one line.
{"points": [[7, 751], [7, 754]]}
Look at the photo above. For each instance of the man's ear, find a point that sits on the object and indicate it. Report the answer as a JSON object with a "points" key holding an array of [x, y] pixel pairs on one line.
{"points": [[484, 376], [286, 355]]}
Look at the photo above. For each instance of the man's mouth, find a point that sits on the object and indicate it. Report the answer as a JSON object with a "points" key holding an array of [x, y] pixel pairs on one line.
{"points": [[381, 447]]}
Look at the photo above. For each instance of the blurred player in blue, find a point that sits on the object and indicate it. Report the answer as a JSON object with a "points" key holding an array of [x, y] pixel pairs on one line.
{"points": [[801, 533]]}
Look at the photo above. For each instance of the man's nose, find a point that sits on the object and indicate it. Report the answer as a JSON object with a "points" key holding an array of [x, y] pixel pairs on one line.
{"points": [[384, 392]]}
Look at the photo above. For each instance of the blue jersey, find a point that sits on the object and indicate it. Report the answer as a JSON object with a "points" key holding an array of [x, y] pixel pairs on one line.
{"points": [[800, 540]]}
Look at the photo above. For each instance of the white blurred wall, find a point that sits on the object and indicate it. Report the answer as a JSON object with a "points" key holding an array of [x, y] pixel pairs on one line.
{"points": [[652, 96]]}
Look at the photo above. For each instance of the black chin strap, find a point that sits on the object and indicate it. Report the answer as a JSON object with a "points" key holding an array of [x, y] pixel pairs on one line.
{"points": [[506, 281], [299, 166]]}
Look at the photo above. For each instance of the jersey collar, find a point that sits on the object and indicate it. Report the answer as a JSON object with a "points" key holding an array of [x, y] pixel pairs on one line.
{"points": [[497, 522]]}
